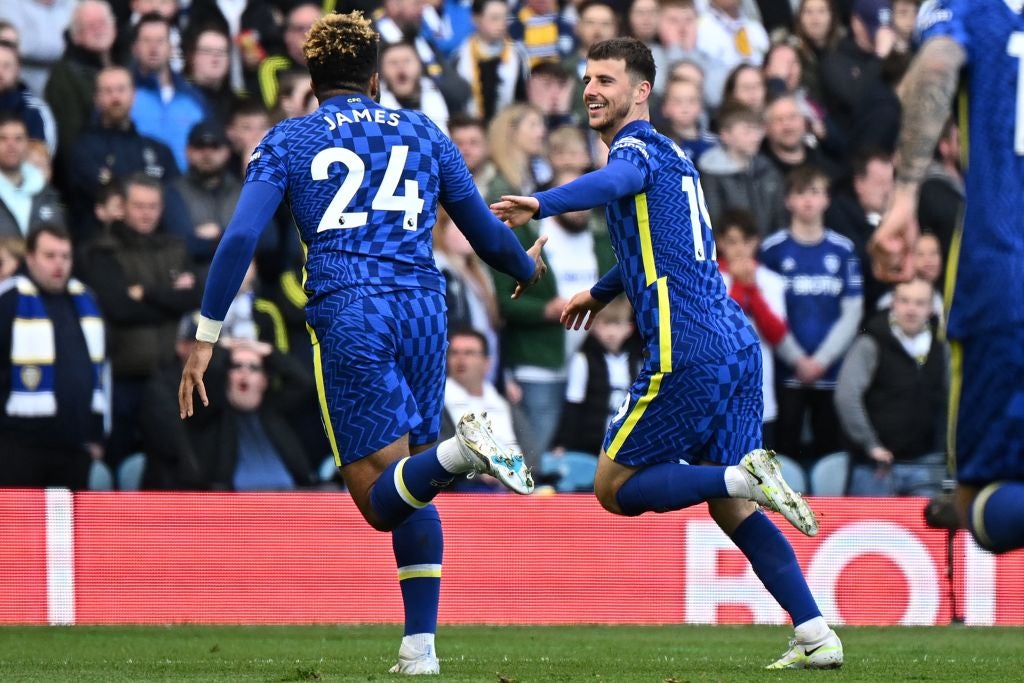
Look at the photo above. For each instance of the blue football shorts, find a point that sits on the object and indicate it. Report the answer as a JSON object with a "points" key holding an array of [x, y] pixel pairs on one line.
{"points": [[987, 406], [707, 411], [380, 369]]}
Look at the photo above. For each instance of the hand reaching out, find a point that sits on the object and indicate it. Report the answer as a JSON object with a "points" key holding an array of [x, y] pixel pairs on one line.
{"points": [[539, 267], [515, 210], [580, 306]]}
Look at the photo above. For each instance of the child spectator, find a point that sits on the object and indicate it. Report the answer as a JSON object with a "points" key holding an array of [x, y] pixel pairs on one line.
{"points": [[927, 257], [760, 292], [568, 151], [823, 305], [683, 112], [599, 377], [735, 175]]}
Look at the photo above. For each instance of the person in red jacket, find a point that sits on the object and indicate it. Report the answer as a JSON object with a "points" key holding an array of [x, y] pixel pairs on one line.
{"points": [[760, 292]]}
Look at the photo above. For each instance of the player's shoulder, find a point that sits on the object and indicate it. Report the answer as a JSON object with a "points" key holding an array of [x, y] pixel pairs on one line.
{"points": [[835, 239]]}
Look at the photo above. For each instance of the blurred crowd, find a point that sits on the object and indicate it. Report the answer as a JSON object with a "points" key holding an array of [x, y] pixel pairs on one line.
{"points": [[126, 127]]}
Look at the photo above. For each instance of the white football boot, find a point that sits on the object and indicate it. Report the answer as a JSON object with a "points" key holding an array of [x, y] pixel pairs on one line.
{"points": [[485, 455], [415, 662], [770, 490], [826, 653]]}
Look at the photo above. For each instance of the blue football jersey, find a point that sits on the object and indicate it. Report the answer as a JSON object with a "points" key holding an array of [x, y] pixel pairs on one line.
{"points": [[989, 256], [666, 252], [363, 183], [818, 276]]}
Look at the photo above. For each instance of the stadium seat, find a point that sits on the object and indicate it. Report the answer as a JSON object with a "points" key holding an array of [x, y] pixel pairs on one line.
{"points": [[100, 478], [130, 471], [793, 472], [575, 471], [828, 476]]}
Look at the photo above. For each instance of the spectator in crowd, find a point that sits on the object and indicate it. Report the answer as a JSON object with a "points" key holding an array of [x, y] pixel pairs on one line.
{"points": [[599, 377], [597, 21], [568, 151], [16, 98], [904, 20], [71, 88], [688, 70], [128, 22], [823, 308], [642, 21], [490, 62], [447, 24], [254, 32], [855, 91], [855, 212], [253, 317], [297, 24], [108, 209], [12, 253], [891, 399], [784, 73], [942, 190], [166, 106], [403, 84], [295, 95], [682, 109], [52, 353], [727, 37], [677, 40], [541, 31], [535, 345], [249, 122], [788, 142], [111, 148], [467, 389], [401, 21], [516, 140], [243, 440], [144, 283], [40, 24], [745, 87], [209, 189], [26, 200], [9, 33], [469, 290], [207, 69], [817, 33], [761, 293], [735, 175], [927, 262], [550, 90], [470, 135]]}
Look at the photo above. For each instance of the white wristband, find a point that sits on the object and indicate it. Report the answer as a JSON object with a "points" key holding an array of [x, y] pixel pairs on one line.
{"points": [[208, 330]]}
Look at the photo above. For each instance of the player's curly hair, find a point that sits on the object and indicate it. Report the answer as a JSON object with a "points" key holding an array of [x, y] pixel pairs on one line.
{"points": [[341, 52]]}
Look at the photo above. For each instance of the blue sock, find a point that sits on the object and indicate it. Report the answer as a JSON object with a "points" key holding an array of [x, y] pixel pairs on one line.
{"points": [[408, 485], [995, 517], [670, 486], [418, 544], [774, 562]]}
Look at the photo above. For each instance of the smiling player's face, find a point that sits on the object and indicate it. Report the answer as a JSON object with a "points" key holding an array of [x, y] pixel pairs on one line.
{"points": [[609, 94]]}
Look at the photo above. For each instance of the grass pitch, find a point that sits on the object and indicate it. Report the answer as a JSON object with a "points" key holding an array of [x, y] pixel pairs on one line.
{"points": [[489, 654]]}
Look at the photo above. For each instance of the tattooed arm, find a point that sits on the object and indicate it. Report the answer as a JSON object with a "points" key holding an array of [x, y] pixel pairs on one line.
{"points": [[926, 94]]}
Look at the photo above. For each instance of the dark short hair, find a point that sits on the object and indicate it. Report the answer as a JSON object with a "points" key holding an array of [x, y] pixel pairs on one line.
{"points": [[341, 52], [552, 69], [734, 113], [11, 116], [862, 159], [801, 177], [637, 56], [142, 180], [461, 120], [149, 18], [51, 229], [464, 331], [479, 5], [741, 219]]}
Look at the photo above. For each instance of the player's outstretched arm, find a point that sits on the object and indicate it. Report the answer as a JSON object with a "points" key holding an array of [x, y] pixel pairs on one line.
{"points": [[516, 210], [926, 94], [492, 240]]}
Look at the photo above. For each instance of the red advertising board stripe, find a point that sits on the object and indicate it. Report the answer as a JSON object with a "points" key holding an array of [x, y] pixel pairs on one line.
{"points": [[309, 558], [23, 557]]}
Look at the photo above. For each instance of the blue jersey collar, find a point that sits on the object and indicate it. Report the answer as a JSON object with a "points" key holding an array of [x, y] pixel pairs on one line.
{"points": [[632, 128], [349, 98]]}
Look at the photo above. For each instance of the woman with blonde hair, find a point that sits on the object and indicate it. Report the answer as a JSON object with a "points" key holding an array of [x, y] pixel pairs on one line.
{"points": [[516, 139]]}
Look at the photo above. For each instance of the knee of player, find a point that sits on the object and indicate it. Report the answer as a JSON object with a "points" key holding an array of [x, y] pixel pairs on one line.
{"points": [[607, 496]]}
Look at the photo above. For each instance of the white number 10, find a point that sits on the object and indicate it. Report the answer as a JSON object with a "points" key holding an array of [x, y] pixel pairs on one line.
{"points": [[384, 199], [698, 209]]}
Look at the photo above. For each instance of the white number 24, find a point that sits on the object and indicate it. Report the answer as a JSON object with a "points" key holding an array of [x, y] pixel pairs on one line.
{"points": [[384, 199]]}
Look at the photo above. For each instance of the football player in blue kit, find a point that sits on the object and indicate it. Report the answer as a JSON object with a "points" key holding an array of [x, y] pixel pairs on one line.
{"points": [[363, 183]]}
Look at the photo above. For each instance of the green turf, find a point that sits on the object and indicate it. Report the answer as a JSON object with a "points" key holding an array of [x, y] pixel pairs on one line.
{"points": [[497, 654]]}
